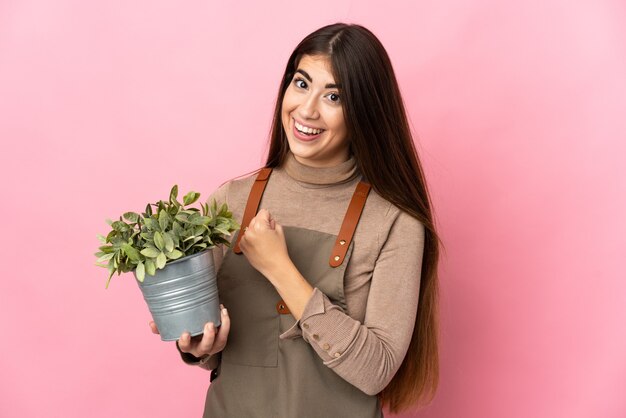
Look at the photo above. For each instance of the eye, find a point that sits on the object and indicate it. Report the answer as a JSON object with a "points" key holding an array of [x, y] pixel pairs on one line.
{"points": [[334, 97], [300, 83]]}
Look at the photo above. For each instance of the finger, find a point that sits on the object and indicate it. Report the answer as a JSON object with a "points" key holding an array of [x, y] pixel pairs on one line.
{"points": [[153, 327], [222, 334], [204, 347], [259, 222], [263, 214], [184, 342], [273, 224], [264, 217]]}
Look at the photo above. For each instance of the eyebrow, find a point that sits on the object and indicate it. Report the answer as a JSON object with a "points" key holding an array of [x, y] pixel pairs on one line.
{"points": [[308, 77]]}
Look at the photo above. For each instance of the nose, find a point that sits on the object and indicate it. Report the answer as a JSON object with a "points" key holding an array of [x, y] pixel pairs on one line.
{"points": [[308, 108]]}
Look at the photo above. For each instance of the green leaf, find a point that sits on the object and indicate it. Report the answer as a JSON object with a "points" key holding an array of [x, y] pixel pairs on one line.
{"points": [[174, 194], [195, 240], [150, 223], [108, 280], [102, 239], [174, 255], [150, 252], [161, 260], [163, 219], [222, 231], [176, 240], [105, 257], [111, 272], [140, 271], [131, 216], [150, 267], [131, 252], [169, 242], [119, 226], [193, 217], [158, 241], [200, 230], [190, 198], [110, 235], [199, 220], [177, 230], [182, 217]]}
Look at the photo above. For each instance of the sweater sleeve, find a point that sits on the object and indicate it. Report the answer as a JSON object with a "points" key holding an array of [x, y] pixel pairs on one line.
{"points": [[210, 362], [369, 354]]}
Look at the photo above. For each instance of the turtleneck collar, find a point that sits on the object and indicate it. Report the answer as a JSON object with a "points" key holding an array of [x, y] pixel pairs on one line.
{"points": [[340, 173]]}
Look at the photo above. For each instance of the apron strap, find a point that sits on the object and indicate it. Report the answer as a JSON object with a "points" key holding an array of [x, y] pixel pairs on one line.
{"points": [[350, 221], [254, 200], [346, 233]]}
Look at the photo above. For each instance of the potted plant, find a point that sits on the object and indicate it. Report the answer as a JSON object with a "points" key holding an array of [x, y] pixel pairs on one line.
{"points": [[168, 249]]}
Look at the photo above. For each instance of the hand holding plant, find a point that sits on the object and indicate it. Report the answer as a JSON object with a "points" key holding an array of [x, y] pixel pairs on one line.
{"points": [[211, 341]]}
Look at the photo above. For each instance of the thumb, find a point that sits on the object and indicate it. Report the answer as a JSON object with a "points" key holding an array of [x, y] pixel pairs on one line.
{"points": [[264, 218], [264, 214]]}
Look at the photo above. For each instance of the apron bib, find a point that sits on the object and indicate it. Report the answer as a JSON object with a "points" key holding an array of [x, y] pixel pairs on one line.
{"points": [[261, 375]]}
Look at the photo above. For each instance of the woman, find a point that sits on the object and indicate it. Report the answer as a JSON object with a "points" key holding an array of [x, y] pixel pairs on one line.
{"points": [[330, 287]]}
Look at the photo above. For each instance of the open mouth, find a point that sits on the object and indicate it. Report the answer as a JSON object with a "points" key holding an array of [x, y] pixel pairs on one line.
{"points": [[307, 131]]}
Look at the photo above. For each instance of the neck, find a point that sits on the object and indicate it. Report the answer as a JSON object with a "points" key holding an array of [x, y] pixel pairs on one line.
{"points": [[340, 173]]}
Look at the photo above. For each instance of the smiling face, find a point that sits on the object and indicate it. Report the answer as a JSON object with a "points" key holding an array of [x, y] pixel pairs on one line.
{"points": [[312, 115]]}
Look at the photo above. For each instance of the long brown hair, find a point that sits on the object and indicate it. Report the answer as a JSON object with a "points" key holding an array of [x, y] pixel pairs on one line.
{"points": [[381, 142]]}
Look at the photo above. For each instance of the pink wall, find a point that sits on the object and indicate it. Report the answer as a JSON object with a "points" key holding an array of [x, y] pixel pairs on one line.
{"points": [[519, 109]]}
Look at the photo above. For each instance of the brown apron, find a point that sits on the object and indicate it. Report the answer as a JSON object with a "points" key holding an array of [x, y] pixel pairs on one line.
{"points": [[260, 375]]}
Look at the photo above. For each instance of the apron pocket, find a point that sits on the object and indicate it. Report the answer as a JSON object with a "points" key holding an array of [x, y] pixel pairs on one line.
{"points": [[253, 338], [251, 302]]}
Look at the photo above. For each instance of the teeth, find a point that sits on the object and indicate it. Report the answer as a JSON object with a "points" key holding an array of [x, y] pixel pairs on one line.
{"points": [[309, 131]]}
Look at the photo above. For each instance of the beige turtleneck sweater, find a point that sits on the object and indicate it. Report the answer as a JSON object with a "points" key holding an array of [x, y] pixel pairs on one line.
{"points": [[381, 283]]}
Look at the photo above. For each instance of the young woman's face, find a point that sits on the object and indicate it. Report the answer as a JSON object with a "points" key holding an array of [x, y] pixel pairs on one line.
{"points": [[312, 115]]}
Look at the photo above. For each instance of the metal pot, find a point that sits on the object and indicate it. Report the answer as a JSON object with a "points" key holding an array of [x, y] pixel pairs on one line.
{"points": [[182, 296]]}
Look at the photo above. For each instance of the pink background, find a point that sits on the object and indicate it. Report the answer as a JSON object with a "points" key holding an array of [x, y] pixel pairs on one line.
{"points": [[519, 111]]}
